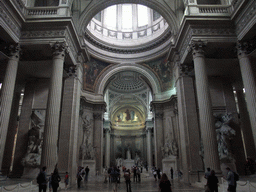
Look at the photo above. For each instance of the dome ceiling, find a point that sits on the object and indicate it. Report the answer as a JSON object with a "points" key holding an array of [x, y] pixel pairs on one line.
{"points": [[127, 31]]}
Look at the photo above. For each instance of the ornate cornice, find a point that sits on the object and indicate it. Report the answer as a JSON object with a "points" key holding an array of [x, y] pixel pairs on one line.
{"points": [[248, 15], [9, 22], [134, 50], [209, 31]]}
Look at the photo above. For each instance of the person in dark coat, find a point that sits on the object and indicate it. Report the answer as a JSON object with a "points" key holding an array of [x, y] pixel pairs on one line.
{"points": [[55, 180], [165, 184], [212, 182]]}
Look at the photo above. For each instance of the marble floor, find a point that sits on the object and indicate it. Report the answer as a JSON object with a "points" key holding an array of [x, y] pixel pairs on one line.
{"points": [[147, 184]]}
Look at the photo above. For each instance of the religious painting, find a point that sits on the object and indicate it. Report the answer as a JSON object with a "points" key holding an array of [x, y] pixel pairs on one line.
{"points": [[162, 68], [127, 118], [91, 71]]}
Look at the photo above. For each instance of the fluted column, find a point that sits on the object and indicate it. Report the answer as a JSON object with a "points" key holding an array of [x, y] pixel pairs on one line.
{"points": [[107, 153], [249, 85], [245, 124], [208, 132], [149, 146], [49, 152], [7, 96]]}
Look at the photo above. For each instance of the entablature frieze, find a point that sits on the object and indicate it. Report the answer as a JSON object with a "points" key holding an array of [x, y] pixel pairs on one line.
{"points": [[210, 31], [61, 32]]}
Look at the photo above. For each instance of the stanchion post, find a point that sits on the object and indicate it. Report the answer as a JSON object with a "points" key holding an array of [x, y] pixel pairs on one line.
{"points": [[249, 189], [30, 186], [18, 187]]}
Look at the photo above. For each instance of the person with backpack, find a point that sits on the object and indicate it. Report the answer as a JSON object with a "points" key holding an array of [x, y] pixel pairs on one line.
{"points": [[127, 177], [55, 180], [42, 180], [231, 180]]}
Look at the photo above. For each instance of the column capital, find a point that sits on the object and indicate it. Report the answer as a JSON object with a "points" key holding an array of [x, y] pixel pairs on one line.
{"points": [[242, 48], [159, 115], [14, 50], [185, 69], [59, 49], [149, 129], [71, 70], [197, 48]]}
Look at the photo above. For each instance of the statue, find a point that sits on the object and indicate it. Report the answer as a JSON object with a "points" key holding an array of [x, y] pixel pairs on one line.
{"points": [[35, 141], [170, 147], [224, 135], [128, 153]]}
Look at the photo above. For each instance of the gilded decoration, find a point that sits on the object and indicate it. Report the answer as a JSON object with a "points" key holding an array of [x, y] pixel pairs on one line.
{"points": [[128, 118]]}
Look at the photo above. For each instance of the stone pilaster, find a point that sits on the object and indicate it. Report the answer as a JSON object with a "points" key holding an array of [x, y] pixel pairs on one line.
{"points": [[208, 132], [107, 152], [188, 122], [50, 151], [149, 146], [158, 132], [249, 84], [7, 95], [98, 113], [68, 137]]}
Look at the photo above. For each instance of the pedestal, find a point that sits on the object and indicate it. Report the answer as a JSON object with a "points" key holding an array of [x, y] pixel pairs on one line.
{"points": [[128, 163], [168, 163], [91, 165], [31, 173]]}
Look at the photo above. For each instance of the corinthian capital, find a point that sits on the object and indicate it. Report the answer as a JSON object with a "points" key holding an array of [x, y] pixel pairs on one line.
{"points": [[197, 47], [14, 50], [59, 49], [242, 48]]}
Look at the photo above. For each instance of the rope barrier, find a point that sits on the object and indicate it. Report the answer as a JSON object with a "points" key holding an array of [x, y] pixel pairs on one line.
{"points": [[252, 185]]}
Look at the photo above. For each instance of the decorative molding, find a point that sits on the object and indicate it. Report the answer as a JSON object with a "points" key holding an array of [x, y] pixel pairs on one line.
{"points": [[9, 22], [109, 48], [246, 18]]}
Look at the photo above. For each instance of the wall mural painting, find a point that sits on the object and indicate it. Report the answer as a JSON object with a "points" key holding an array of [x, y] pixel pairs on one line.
{"points": [[91, 71], [127, 116], [162, 68]]}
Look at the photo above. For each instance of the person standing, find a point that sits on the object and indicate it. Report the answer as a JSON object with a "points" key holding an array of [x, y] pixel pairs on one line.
{"points": [[66, 180], [79, 178], [42, 180], [171, 173], [165, 184], [50, 182], [134, 174], [127, 177], [212, 182], [114, 178], [86, 173], [231, 180], [207, 173], [155, 173], [55, 180]]}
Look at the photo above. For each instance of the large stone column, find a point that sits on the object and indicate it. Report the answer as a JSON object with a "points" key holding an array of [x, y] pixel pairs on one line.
{"points": [[99, 110], [245, 124], [158, 132], [149, 146], [208, 132], [69, 122], [188, 123], [7, 96], [249, 85], [50, 151]]}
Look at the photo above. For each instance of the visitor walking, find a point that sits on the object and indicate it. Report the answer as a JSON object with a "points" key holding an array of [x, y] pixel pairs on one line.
{"points": [[55, 180], [42, 180], [86, 173], [155, 173], [165, 184], [66, 180], [212, 182], [127, 177], [231, 180], [114, 178], [171, 173]]}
